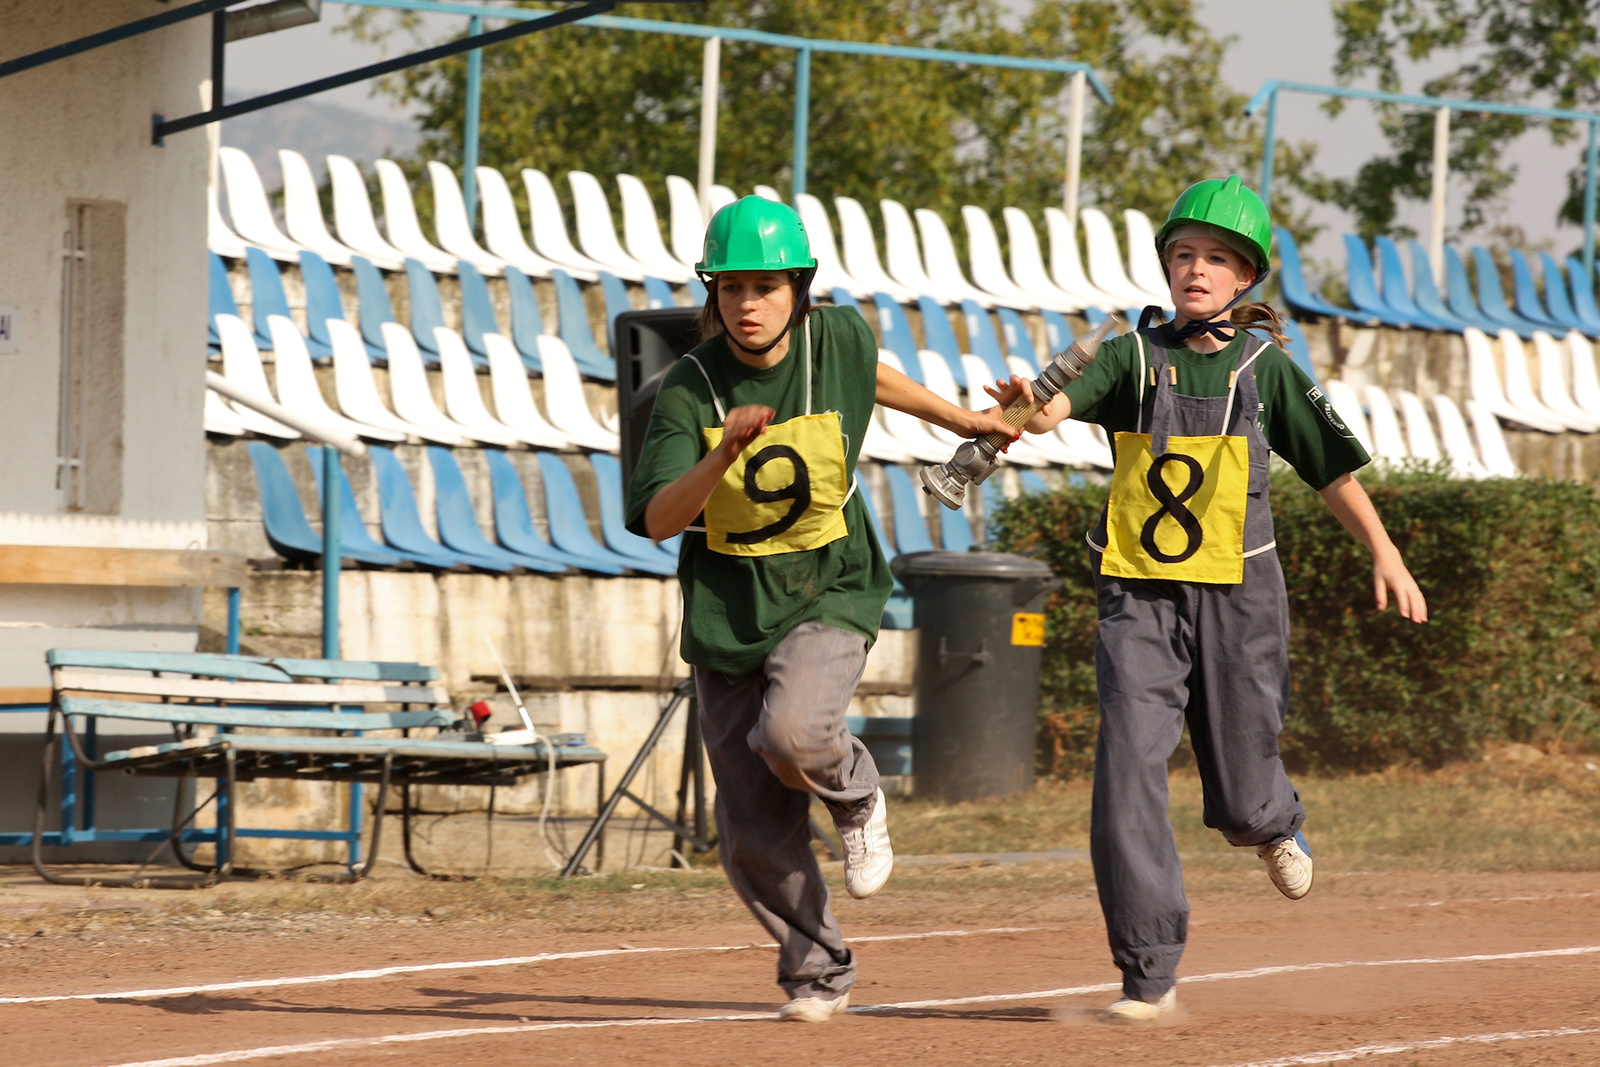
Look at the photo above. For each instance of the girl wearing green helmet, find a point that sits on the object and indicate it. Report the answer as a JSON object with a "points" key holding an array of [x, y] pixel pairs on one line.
{"points": [[751, 451], [1193, 610]]}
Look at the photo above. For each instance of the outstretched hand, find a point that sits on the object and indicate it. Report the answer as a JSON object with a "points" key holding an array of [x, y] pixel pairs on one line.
{"points": [[1007, 392], [1389, 573], [743, 425]]}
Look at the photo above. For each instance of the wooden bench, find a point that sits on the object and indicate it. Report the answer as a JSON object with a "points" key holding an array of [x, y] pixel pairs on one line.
{"points": [[321, 714]]}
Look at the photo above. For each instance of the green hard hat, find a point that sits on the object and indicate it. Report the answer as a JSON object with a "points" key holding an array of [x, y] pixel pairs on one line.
{"points": [[754, 233], [1228, 205]]}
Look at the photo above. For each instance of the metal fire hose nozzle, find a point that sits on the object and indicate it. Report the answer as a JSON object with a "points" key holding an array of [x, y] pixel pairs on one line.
{"points": [[977, 459]]}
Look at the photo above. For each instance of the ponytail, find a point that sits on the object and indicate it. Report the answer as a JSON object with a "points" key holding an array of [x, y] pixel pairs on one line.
{"points": [[1258, 315]]}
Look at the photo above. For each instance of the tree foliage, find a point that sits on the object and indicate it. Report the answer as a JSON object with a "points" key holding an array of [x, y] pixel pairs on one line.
{"points": [[1511, 51]]}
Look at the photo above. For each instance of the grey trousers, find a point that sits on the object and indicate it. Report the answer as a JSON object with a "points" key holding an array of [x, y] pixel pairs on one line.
{"points": [[775, 739], [1218, 657]]}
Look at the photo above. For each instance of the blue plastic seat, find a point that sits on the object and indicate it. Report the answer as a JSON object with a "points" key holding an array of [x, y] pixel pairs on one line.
{"points": [[458, 523], [910, 528], [1458, 291], [955, 530], [563, 508], [1398, 295], [527, 322], [427, 310], [354, 540], [1031, 482], [477, 311], [513, 521], [899, 613], [402, 523], [1297, 291], [985, 344], [937, 336], [1017, 340], [373, 306], [1363, 286], [1300, 350], [1057, 334], [1558, 298], [615, 292], [322, 297], [895, 330], [841, 298], [219, 299], [1425, 293], [1492, 297], [993, 500], [267, 298], [1528, 304], [288, 530], [1583, 301], [572, 325], [657, 294], [640, 552], [697, 292]]}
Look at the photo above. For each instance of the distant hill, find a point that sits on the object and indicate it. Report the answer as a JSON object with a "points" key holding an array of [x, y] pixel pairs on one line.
{"points": [[315, 129]]}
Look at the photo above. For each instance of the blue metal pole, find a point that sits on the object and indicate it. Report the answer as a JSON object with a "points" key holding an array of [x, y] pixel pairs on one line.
{"points": [[332, 478], [1588, 200], [802, 119], [1266, 155], [233, 621], [469, 150]]}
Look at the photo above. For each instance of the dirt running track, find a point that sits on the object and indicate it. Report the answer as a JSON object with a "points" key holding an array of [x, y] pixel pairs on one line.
{"points": [[1398, 990]]}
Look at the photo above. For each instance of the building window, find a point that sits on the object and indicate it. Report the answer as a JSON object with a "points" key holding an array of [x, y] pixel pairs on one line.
{"points": [[93, 285]]}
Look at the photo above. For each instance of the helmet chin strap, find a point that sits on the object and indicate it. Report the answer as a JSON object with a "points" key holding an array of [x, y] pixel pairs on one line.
{"points": [[802, 284], [1217, 326]]}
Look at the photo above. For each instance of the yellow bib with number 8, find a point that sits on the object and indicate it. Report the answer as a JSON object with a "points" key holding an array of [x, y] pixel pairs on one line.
{"points": [[1179, 515], [785, 492]]}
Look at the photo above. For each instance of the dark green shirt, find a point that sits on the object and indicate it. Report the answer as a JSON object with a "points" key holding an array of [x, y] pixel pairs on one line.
{"points": [[1295, 418], [736, 608]]}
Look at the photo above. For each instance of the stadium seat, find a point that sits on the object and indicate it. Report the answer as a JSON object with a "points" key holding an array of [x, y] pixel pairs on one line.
{"points": [[1519, 384], [910, 524], [938, 337], [284, 519], [1054, 446], [1105, 264], [402, 522], [939, 258], [400, 219], [641, 553], [1492, 297], [463, 401], [217, 418], [939, 381], [1363, 287], [373, 307], [548, 228], [1583, 302], [1297, 292], [1555, 360], [427, 308], [1457, 442], [477, 310], [895, 331], [513, 398], [1387, 440], [1066, 265], [1027, 265], [1458, 291], [1144, 264], [841, 298], [876, 444], [323, 301], [302, 210], [219, 238], [1021, 452], [658, 294], [572, 321], [907, 431], [513, 522], [355, 541], [1526, 295], [1300, 350], [502, 226], [901, 258], [409, 391], [1585, 380], [597, 230], [1018, 342], [615, 295], [241, 365], [298, 391], [955, 530], [219, 296], [1057, 335], [687, 224], [988, 268], [1032, 483], [527, 321], [1483, 385], [641, 231], [451, 224], [248, 207], [1347, 403], [1421, 444], [267, 297], [860, 251], [721, 197], [458, 522], [1397, 295], [1425, 292], [353, 216], [357, 390], [830, 268], [564, 399], [1496, 457], [982, 341], [1088, 441], [898, 613], [569, 526], [1559, 300]]}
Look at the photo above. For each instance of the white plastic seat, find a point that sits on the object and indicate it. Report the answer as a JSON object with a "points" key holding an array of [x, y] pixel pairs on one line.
{"points": [[297, 385], [408, 388], [1519, 383], [830, 269], [597, 232], [1144, 264], [1420, 440], [721, 196], [219, 238], [1554, 359], [463, 401], [1021, 451], [400, 219], [547, 226], [1066, 265], [502, 226], [564, 399], [218, 418], [988, 268], [302, 209], [901, 254], [451, 225], [641, 230], [878, 445], [941, 383], [939, 257], [353, 216], [1491, 442], [1051, 445], [1585, 380], [1385, 424], [1089, 441], [356, 390], [1027, 264], [241, 365], [513, 399], [1483, 384], [1457, 441], [687, 224], [1105, 261], [861, 251], [767, 192], [247, 204], [1348, 405], [908, 431]]}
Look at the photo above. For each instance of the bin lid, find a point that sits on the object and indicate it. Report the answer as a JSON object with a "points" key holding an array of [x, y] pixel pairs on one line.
{"points": [[999, 565]]}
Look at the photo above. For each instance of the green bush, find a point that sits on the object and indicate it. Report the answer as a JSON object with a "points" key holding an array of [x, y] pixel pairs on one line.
{"points": [[1511, 571]]}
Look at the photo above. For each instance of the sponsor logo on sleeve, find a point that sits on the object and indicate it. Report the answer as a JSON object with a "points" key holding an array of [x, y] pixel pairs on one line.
{"points": [[1319, 400]]}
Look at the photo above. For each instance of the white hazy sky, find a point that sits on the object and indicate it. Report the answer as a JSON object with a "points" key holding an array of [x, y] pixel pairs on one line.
{"points": [[1284, 39]]}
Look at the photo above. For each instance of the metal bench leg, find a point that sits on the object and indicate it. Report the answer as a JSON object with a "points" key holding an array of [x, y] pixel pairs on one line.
{"points": [[377, 820]]}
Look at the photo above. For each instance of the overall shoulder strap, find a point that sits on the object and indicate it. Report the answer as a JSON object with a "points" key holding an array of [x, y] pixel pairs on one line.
{"points": [[722, 416], [1245, 374]]}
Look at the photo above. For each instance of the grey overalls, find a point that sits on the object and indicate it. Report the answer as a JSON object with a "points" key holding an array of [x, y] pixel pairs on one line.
{"points": [[1170, 651]]}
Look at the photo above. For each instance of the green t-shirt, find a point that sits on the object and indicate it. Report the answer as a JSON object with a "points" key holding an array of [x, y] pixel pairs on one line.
{"points": [[736, 608], [1295, 418]]}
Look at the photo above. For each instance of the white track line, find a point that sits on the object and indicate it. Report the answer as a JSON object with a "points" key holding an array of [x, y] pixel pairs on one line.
{"points": [[1363, 1051], [467, 965], [242, 1055]]}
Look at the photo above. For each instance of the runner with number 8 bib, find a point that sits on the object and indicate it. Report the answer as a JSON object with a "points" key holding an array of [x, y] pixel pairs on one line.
{"points": [[751, 452], [1194, 624]]}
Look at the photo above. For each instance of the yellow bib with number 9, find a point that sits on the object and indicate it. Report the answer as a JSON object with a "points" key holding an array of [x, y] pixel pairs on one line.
{"points": [[1179, 515], [785, 492]]}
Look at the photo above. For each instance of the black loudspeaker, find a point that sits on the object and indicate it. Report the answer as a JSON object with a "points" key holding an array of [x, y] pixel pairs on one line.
{"points": [[648, 343]]}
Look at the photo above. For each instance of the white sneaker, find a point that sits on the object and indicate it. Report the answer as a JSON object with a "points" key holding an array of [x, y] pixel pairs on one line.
{"points": [[868, 859], [1130, 1012], [1289, 865], [812, 1009]]}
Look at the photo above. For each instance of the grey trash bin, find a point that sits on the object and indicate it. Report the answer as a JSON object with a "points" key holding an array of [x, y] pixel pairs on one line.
{"points": [[981, 638]]}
